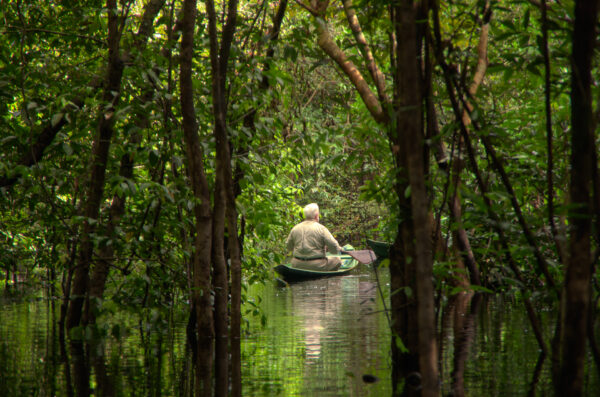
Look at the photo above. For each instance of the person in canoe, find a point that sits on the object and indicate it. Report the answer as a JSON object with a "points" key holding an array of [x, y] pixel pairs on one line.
{"points": [[309, 241]]}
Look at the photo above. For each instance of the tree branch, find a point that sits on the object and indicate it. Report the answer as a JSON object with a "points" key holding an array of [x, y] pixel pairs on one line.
{"points": [[16, 29], [60, 119], [327, 44], [533, 318], [378, 77]]}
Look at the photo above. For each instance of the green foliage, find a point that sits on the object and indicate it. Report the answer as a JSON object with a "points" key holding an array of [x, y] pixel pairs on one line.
{"points": [[299, 133], [311, 140]]}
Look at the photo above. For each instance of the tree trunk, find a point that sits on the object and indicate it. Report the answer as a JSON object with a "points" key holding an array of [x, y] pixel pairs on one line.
{"points": [[101, 268], [328, 44], [220, 286], [100, 151], [578, 273], [408, 107], [201, 297], [464, 326], [227, 211], [405, 360]]}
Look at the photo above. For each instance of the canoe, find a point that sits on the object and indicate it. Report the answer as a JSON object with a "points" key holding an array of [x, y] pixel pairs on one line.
{"points": [[381, 248], [291, 274]]}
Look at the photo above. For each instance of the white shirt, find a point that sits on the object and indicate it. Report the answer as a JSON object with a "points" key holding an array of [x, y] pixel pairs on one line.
{"points": [[310, 239]]}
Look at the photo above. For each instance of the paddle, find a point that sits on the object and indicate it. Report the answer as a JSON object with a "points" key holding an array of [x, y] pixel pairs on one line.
{"points": [[363, 256]]}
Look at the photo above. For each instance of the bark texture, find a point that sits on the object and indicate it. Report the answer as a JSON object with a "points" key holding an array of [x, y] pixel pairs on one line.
{"points": [[101, 267], [410, 131], [328, 44], [225, 210], [100, 152], [579, 268], [201, 268]]}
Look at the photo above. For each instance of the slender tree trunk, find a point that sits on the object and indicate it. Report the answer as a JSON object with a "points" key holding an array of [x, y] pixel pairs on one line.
{"points": [[201, 297], [460, 234], [466, 259], [452, 164], [410, 130], [464, 334], [66, 287], [535, 323], [227, 211], [454, 204], [578, 272], [219, 55], [101, 268], [405, 359], [80, 368], [236, 294], [100, 151], [221, 288]]}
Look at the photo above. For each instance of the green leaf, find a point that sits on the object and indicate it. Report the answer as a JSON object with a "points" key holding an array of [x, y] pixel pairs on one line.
{"points": [[57, 118], [400, 344], [67, 148]]}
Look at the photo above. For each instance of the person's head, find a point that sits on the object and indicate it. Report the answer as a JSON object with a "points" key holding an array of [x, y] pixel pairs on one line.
{"points": [[311, 212]]}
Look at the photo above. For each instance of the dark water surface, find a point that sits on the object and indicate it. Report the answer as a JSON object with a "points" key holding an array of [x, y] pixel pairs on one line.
{"points": [[314, 338]]}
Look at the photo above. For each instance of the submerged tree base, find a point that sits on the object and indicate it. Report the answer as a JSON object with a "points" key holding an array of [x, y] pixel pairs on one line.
{"points": [[319, 337]]}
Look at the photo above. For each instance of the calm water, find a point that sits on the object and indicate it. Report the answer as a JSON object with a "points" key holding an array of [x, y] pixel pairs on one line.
{"points": [[322, 337], [319, 339]]}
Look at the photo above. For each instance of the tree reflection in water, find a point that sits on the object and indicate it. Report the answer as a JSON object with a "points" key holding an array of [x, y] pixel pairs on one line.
{"points": [[320, 338], [460, 318]]}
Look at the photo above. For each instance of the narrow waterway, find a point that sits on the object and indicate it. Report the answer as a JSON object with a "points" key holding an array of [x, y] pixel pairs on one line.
{"points": [[322, 337], [315, 338]]}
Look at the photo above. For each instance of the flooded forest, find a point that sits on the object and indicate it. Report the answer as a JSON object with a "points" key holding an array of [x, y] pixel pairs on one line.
{"points": [[156, 154]]}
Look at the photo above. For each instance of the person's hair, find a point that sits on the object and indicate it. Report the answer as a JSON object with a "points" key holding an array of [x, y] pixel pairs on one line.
{"points": [[311, 211]]}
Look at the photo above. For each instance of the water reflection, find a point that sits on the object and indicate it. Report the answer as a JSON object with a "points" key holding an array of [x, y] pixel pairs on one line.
{"points": [[312, 311], [459, 317], [322, 337]]}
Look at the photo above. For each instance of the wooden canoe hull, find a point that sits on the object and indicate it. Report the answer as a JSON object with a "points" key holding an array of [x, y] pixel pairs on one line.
{"points": [[291, 274]]}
